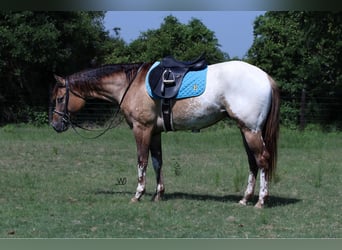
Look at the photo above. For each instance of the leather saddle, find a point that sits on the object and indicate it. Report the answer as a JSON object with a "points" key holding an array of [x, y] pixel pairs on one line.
{"points": [[165, 79]]}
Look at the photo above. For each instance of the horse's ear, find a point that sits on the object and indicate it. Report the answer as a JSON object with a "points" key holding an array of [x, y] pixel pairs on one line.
{"points": [[59, 79]]}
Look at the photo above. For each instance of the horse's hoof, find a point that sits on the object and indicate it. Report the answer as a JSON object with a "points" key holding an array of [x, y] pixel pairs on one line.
{"points": [[137, 196], [134, 200], [259, 205], [243, 202], [157, 198]]}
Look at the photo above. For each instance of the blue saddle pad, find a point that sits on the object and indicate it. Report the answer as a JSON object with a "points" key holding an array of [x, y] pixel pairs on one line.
{"points": [[194, 83]]}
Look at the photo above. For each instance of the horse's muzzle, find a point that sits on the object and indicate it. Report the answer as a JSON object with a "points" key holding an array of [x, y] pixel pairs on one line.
{"points": [[60, 127], [60, 121]]}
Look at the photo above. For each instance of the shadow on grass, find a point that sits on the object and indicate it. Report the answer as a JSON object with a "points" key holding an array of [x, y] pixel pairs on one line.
{"points": [[111, 192], [273, 201], [201, 197], [276, 201]]}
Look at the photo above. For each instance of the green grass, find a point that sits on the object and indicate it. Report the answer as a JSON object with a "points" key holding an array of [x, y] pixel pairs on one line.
{"points": [[62, 186]]}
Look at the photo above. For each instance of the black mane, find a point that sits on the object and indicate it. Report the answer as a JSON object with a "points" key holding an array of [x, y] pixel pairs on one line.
{"points": [[89, 79]]}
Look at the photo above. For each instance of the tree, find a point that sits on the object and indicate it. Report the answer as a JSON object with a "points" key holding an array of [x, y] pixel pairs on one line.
{"points": [[302, 51], [119, 51], [185, 42], [34, 45]]}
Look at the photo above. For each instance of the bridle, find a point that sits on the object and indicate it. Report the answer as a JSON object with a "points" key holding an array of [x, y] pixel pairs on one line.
{"points": [[66, 120], [66, 114]]}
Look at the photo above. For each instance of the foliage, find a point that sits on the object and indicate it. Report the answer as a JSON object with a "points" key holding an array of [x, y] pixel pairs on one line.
{"points": [[302, 51], [35, 116], [34, 45], [183, 41]]}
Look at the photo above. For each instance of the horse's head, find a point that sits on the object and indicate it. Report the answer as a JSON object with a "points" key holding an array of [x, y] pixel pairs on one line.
{"points": [[66, 102]]}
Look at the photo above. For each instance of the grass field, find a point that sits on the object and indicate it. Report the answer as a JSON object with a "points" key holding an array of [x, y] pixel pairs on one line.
{"points": [[62, 186]]}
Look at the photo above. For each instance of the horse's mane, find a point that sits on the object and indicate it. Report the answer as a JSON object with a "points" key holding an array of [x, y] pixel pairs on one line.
{"points": [[89, 80]]}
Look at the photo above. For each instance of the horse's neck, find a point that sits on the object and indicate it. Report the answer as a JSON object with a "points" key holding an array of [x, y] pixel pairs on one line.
{"points": [[113, 89]]}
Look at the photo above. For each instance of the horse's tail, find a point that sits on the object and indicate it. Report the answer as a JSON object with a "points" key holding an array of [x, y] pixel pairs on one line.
{"points": [[271, 129]]}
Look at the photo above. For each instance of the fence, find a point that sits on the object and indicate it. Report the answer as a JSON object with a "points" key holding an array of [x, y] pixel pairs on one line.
{"points": [[297, 112]]}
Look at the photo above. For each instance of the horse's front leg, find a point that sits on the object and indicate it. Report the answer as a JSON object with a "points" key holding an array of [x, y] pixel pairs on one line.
{"points": [[157, 162], [143, 137]]}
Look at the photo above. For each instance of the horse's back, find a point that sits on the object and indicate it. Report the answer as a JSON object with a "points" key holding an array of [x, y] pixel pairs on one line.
{"points": [[246, 90], [239, 75]]}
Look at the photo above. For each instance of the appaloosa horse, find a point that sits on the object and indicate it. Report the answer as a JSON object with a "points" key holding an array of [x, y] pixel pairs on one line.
{"points": [[234, 89]]}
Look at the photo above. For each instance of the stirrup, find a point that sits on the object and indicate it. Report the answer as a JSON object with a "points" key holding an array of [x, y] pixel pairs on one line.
{"points": [[169, 73]]}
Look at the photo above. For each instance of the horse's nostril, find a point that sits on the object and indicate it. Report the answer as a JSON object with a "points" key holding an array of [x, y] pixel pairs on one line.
{"points": [[59, 127], [55, 127]]}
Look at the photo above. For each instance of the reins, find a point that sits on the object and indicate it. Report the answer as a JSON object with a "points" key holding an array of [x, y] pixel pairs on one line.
{"points": [[74, 125]]}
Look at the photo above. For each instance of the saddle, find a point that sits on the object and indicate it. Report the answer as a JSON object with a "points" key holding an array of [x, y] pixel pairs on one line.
{"points": [[166, 79]]}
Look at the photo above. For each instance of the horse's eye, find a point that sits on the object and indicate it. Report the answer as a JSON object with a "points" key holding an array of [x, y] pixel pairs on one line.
{"points": [[60, 99]]}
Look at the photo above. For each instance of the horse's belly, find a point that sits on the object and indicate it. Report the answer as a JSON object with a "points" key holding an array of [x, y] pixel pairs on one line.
{"points": [[194, 114]]}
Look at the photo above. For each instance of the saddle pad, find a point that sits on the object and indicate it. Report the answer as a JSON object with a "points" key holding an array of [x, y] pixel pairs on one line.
{"points": [[194, 83]]}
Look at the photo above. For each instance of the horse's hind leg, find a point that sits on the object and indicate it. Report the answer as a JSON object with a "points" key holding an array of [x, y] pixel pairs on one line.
{"points": [[263, 193], [253, 172], [157, 162], [258, 159]]}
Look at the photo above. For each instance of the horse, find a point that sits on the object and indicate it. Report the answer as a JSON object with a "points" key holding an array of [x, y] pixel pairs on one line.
{"points": [[235, 90]]}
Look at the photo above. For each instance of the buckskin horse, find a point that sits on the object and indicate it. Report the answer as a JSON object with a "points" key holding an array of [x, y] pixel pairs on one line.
{"points": [[234, 89]]}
